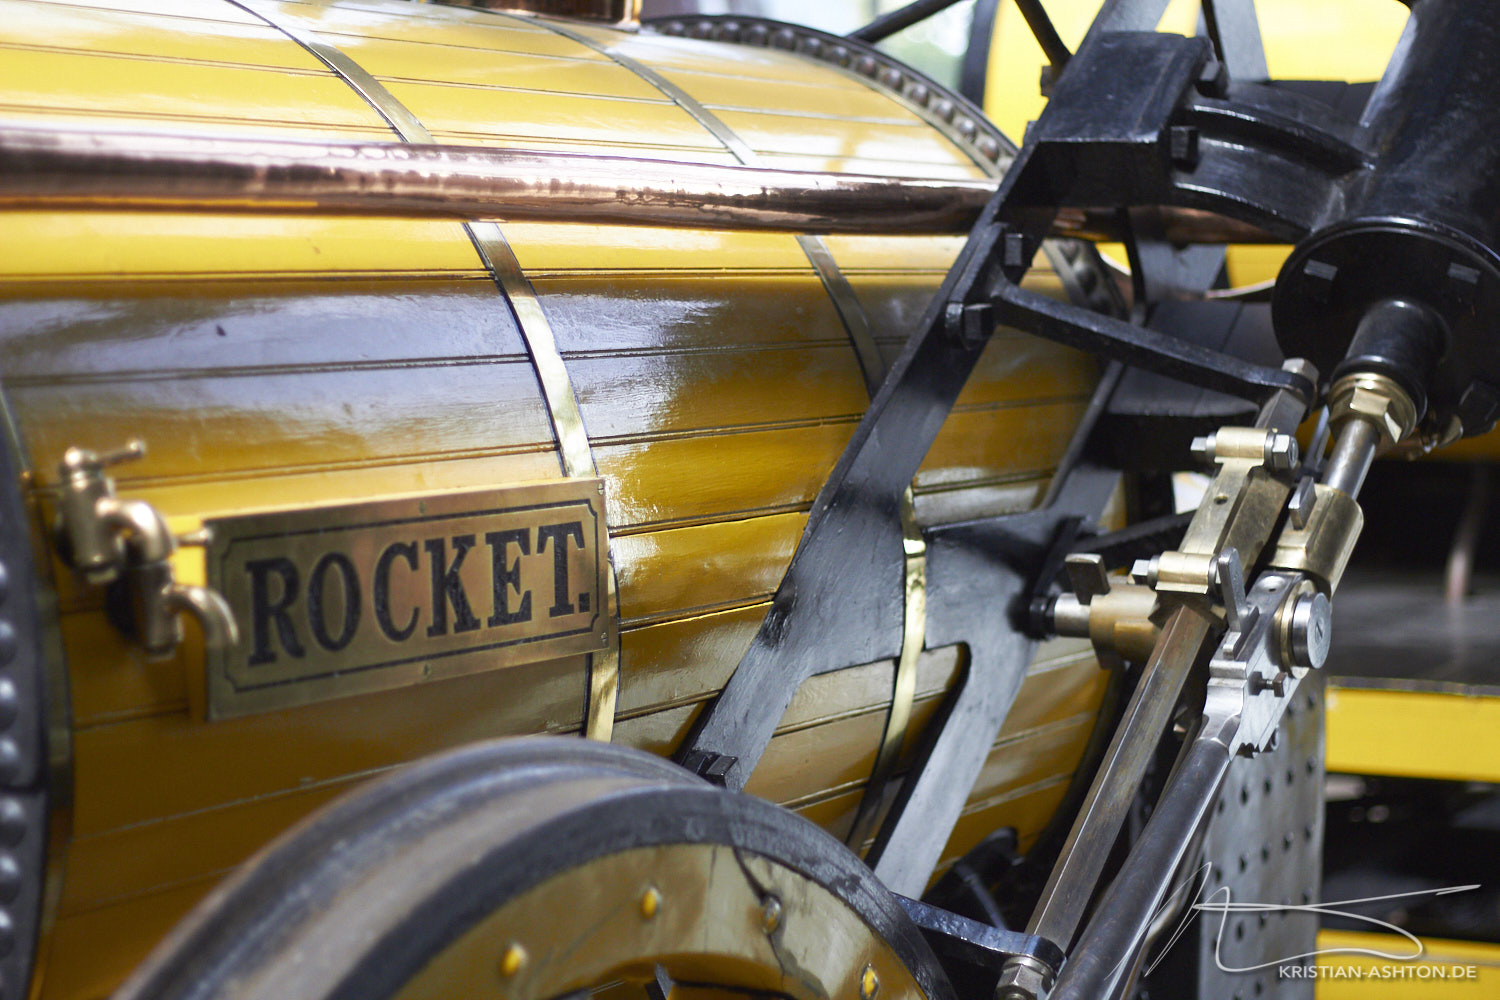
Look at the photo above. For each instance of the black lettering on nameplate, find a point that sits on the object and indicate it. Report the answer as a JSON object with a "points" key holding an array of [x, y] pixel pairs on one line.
{"points": [[341, 600]]}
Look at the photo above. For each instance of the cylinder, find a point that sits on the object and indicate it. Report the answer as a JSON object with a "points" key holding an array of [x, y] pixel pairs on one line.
{"points": [[1422, 225]]}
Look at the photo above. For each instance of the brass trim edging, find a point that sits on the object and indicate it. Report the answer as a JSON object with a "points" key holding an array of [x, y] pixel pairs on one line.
{"points": [[574, 452], [857, 325]]}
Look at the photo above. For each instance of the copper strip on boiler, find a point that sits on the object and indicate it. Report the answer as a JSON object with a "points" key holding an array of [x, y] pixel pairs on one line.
{"points": [[55, 167], [499, 259], [857, 325]]}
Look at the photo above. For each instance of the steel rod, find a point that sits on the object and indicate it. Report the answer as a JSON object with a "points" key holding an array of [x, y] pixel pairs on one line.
{"points": [[57, 168], [1045, 33], [899, 19], [1353, 451], [1109, 944], [1071, 885]]}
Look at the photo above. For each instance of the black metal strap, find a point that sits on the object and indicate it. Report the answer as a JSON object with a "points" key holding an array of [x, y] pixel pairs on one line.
{"points": [[969, 942]]}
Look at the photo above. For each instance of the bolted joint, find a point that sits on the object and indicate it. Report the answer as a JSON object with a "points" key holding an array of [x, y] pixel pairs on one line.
{"points": [[1304, 626], [969, 325], [1272, 449], [1182, 146], [710, 766], [1376, 399], [1025, 977]]}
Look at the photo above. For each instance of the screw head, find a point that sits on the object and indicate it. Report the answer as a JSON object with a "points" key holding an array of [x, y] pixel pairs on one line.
{"points": [[869, 983], [650, 902]]}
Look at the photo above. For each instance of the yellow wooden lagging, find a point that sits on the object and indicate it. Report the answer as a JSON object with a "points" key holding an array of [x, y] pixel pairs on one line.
{"points": [[286, 362]]}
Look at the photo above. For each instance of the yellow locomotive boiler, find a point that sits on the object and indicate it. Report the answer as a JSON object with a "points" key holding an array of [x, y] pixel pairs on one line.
{"points": [[417, 477]]}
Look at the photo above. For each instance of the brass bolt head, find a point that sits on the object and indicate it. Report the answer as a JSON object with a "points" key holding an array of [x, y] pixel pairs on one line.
{"points": [[869, 983], [650, 902], [512, 960], [770, 914]]}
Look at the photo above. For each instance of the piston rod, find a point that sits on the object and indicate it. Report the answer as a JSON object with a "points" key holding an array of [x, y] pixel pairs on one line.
{"points": [[1109, 944]]}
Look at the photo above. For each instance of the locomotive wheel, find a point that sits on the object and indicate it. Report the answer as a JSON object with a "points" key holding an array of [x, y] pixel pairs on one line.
{"points": [[537, 868]]}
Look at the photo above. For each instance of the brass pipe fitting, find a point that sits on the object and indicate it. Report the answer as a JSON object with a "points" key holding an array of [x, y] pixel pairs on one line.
{"points": [[1377, 399]]}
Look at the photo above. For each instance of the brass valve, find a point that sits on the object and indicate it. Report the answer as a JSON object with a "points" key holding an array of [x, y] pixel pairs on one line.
{"points": [[127, 544]]}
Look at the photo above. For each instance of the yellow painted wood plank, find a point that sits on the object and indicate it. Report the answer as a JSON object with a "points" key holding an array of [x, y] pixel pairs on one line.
{"points": [[154, 858], [765, 132], [704, 565], [553, 251], [913, 253], [413, 61], [92, 952], [320, 418], [501, 114], [152, 36], [833, 94], [110, 84], [167, 765], [744, 62], [712, 475], [188, 10], [959, 169], [983, 443], [1413, 734], [103, 245], [634, 396]]}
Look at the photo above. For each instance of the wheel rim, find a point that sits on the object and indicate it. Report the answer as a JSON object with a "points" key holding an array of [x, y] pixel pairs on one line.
{"points": [[540, 868]]}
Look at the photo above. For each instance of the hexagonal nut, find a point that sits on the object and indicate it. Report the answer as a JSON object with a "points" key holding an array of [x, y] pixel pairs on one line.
{"points": [[1281, 452], [1377, 407], [1377, 399], [1021, 982]]}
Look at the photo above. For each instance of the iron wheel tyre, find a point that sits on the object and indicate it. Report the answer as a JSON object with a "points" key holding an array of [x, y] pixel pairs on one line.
{"points": [[540, 867]]}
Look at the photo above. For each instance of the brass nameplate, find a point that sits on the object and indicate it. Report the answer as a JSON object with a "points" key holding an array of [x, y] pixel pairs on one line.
{"points": [[339, 600]]}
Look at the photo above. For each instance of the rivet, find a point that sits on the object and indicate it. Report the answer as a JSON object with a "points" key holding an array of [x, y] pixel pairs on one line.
{"points": [[770, 914], [12, 821], [10, 760], [10, 878], [869, 983], [8, 644], [650, 902], [9, 702], [4, 582]]}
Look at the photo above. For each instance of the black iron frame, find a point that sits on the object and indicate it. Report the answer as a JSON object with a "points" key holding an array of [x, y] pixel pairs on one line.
{"points": [[1136, 119]]}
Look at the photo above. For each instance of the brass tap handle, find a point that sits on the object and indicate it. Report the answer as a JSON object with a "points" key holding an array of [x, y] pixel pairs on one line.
{"points": [[107, 538], [197, 539]]}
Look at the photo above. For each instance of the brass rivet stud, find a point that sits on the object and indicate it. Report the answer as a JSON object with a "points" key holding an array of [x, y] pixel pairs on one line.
{"points": [[650, 902], [770, 914], [512, 961], [869, 983]]}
